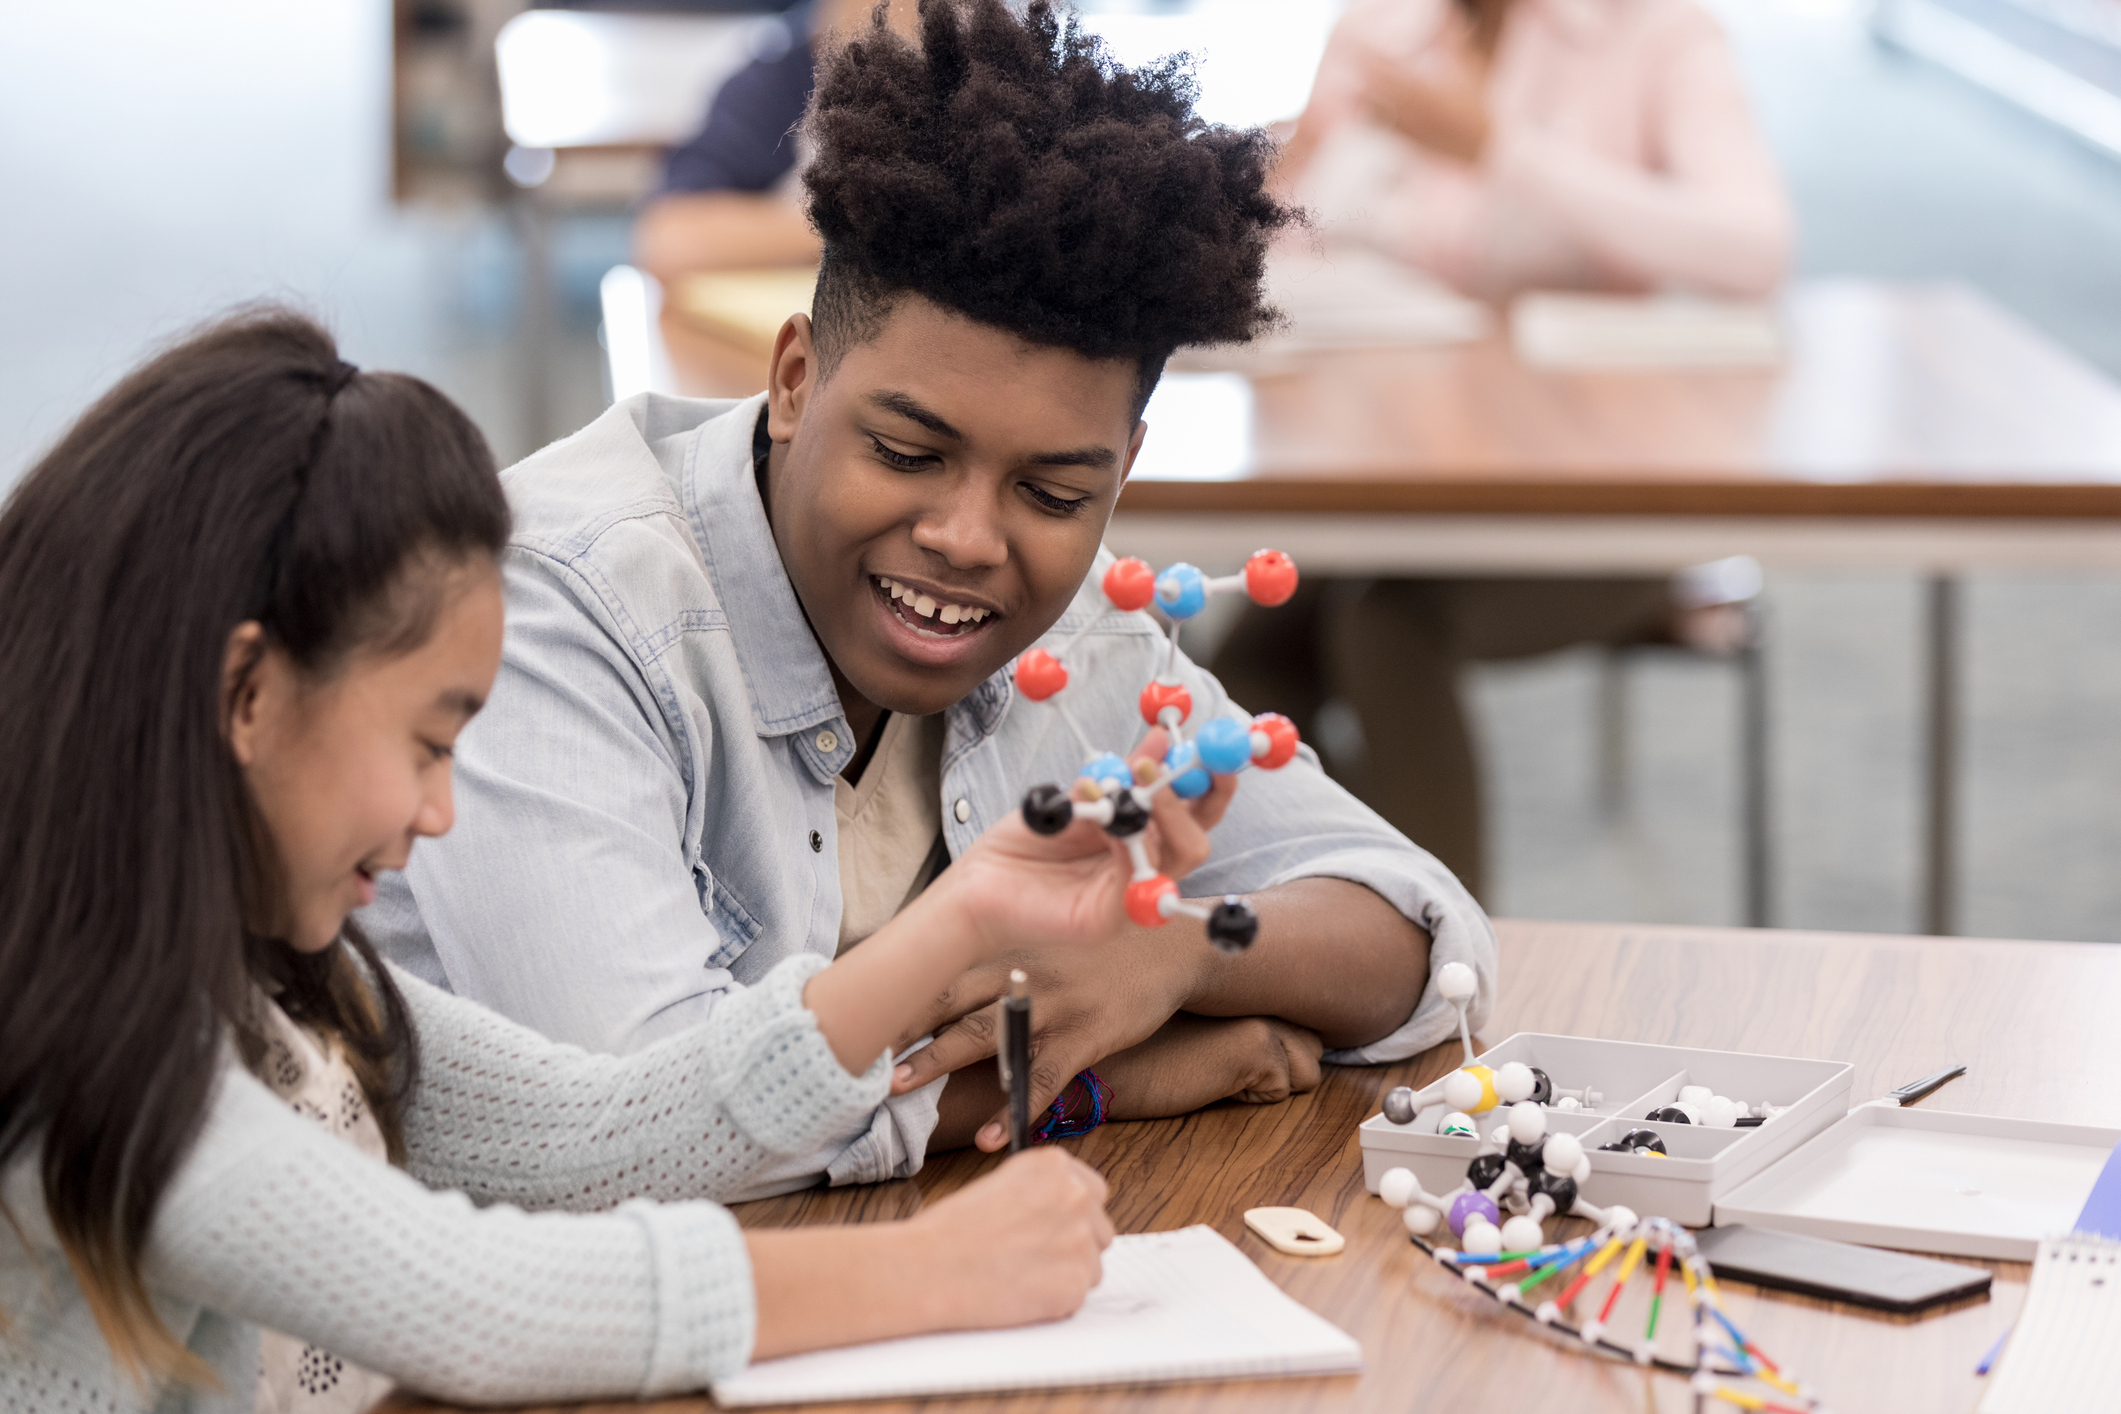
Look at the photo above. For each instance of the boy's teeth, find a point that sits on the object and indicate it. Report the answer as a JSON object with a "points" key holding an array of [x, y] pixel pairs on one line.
{"points": [[927, 608]]}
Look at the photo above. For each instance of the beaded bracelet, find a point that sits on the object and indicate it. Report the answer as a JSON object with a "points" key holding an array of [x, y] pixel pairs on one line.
{"points": [[1079, 1108]]}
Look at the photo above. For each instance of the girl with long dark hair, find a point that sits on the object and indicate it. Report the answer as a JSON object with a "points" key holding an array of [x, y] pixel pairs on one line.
{"points": [[246, 605]]}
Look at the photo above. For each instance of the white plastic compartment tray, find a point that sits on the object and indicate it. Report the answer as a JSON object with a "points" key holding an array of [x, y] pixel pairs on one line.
{"points": [[1702, 1165], [1930, 1181]]}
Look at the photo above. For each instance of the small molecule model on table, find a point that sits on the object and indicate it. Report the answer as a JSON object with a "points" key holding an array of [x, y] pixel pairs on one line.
{"points": [[1697, 1104], [1118, 796], [1476, 1089], [1520, 1169]]}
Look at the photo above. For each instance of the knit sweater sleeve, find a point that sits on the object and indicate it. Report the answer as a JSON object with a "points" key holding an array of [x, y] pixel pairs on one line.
{"points": [[504, 1114], [275, 1221]]}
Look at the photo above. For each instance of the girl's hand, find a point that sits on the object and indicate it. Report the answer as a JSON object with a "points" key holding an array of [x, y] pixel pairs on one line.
{"points": [[1020, 1245], [1018, 889]]}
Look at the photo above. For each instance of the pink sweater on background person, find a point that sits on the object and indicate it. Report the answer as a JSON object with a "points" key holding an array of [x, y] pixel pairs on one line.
{"points": [[1622, 154]]}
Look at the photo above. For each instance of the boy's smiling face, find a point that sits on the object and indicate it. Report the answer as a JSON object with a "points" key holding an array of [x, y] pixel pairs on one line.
{"points": [[939, 498]]}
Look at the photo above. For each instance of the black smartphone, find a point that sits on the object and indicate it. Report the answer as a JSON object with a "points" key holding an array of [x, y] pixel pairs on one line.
{"points": [[1837, 1271]]}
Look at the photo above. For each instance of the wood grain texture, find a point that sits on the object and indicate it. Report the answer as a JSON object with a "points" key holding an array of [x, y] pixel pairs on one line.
{"points": [[2033, 1021], [1895, 400]]}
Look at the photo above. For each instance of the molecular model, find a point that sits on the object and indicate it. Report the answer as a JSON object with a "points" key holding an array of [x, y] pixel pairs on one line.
{"points": [[1697, 1104], [1654, 1246], [1476, 1089], [1117, 796], [1521, 1169]]}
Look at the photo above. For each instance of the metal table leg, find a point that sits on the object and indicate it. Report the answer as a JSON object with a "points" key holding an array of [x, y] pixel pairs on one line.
{"points": [[1941, 865], [1753, 782]]}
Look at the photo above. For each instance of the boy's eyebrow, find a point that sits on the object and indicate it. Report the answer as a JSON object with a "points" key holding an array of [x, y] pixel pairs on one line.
{"points": [[908, 407], [1099, 457]]}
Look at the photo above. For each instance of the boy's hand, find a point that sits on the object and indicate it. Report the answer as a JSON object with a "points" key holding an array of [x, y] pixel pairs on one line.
{"points": [[1024, 890], [1090, 1000]]}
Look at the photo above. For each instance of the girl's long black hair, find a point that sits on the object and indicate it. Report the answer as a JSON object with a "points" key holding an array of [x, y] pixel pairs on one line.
{"points": [[246, 474]]}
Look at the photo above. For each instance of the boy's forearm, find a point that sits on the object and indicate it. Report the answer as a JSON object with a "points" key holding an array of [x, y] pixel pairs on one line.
{"points": [[1332, 956]]}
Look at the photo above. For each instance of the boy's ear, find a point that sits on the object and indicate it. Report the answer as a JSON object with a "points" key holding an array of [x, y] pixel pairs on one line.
{"points": [[1134, 449], [790, 378]]}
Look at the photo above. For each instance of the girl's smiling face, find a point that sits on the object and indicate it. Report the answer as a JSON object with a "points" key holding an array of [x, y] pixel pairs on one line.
{"points": [[938, 499], [347, 770]]}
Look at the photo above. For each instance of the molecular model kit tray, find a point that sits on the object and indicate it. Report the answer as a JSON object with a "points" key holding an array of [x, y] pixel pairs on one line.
{"points": [[1617, 1084]]}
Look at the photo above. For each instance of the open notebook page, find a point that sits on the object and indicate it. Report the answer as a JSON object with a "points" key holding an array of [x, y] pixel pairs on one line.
{"points": [[1182, 1305]]}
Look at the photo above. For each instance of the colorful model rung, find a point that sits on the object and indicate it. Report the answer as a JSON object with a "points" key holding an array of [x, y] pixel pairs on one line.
{"points": [[1724, 1360], [1118, 796]]}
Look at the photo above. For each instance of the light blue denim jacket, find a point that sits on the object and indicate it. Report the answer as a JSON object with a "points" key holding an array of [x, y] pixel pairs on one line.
{"points": [[645, 808]]}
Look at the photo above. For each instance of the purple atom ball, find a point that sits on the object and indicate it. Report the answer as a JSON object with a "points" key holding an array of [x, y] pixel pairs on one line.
{"points": [[1467, 1204]]}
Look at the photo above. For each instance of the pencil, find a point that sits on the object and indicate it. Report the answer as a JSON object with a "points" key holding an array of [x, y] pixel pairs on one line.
{"points": [[1015, 1059]]}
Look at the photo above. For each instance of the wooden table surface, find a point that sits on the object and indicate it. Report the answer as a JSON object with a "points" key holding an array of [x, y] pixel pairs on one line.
{"points": [[1894, 401], [2034, 1021]]}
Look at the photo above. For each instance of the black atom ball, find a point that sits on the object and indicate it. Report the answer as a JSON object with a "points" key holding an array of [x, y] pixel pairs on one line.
{"points": [[1047, 810], [1129, 816]]}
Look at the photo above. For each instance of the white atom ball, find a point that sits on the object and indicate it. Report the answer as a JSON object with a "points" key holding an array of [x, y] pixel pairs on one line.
{"points": [[1396, 1187], [1455, 981], [1420, 1218], [1528, 1123], [1481, 1239], [1694, 1094], [1522, 1234], [1563, 1153], [1720, 1113], [1514, 1081], [1462, 1090]]}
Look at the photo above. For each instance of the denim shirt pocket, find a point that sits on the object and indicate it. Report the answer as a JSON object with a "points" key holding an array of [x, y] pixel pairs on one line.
{"points": [[733, 922]]}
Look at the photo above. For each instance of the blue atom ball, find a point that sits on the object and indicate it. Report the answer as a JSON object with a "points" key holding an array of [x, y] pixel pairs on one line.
{"points": [[1108, 769], [1181, 591], [1225, 746], [1188, 780]]}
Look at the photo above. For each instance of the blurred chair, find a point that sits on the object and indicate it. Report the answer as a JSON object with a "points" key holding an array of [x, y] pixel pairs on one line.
{"points": [[590, 98]]}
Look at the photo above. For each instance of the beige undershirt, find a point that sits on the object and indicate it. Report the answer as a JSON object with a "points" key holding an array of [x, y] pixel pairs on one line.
{"points": [[889, 822], [295, 1377]]}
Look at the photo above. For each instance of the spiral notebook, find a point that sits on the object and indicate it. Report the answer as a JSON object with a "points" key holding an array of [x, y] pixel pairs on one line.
{"points": [[1184, 1305], [2065, 1352]]}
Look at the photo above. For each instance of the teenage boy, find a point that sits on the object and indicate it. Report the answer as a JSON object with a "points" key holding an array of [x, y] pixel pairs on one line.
{"points": [[757, 689]]}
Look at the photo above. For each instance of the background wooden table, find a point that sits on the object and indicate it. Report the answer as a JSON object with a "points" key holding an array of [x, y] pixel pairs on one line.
{"points": [[2034, 1021], [1915, 427]]}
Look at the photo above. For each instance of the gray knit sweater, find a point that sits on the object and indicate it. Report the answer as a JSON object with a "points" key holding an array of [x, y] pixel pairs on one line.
{"points": [[445, 1277]]}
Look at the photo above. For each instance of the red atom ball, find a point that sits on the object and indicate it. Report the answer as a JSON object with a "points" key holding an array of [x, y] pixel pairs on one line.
{"points": [[1270, 578], [1159, 695], [1130, 584], [1281, 740], [1039, 675], [1145, 900]]}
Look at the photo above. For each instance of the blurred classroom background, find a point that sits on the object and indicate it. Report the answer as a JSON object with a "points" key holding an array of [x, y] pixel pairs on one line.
{"points": [[164, 161]]}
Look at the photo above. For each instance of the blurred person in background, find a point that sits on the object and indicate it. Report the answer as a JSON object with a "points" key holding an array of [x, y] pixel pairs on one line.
{"points": [[731, 197], [1502, 146]]}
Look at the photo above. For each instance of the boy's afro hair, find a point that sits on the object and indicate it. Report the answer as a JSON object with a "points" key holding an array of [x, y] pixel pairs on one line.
{"points": [[1008, 169]]}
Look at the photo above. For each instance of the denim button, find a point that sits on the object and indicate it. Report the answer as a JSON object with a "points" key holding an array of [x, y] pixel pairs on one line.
{"points": [[828, 741]]}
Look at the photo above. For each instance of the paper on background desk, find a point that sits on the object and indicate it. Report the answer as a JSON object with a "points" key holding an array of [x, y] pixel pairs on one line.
{"points": [[1184, 1305], [745, 307], [1621, 331], [1346, 297]]}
